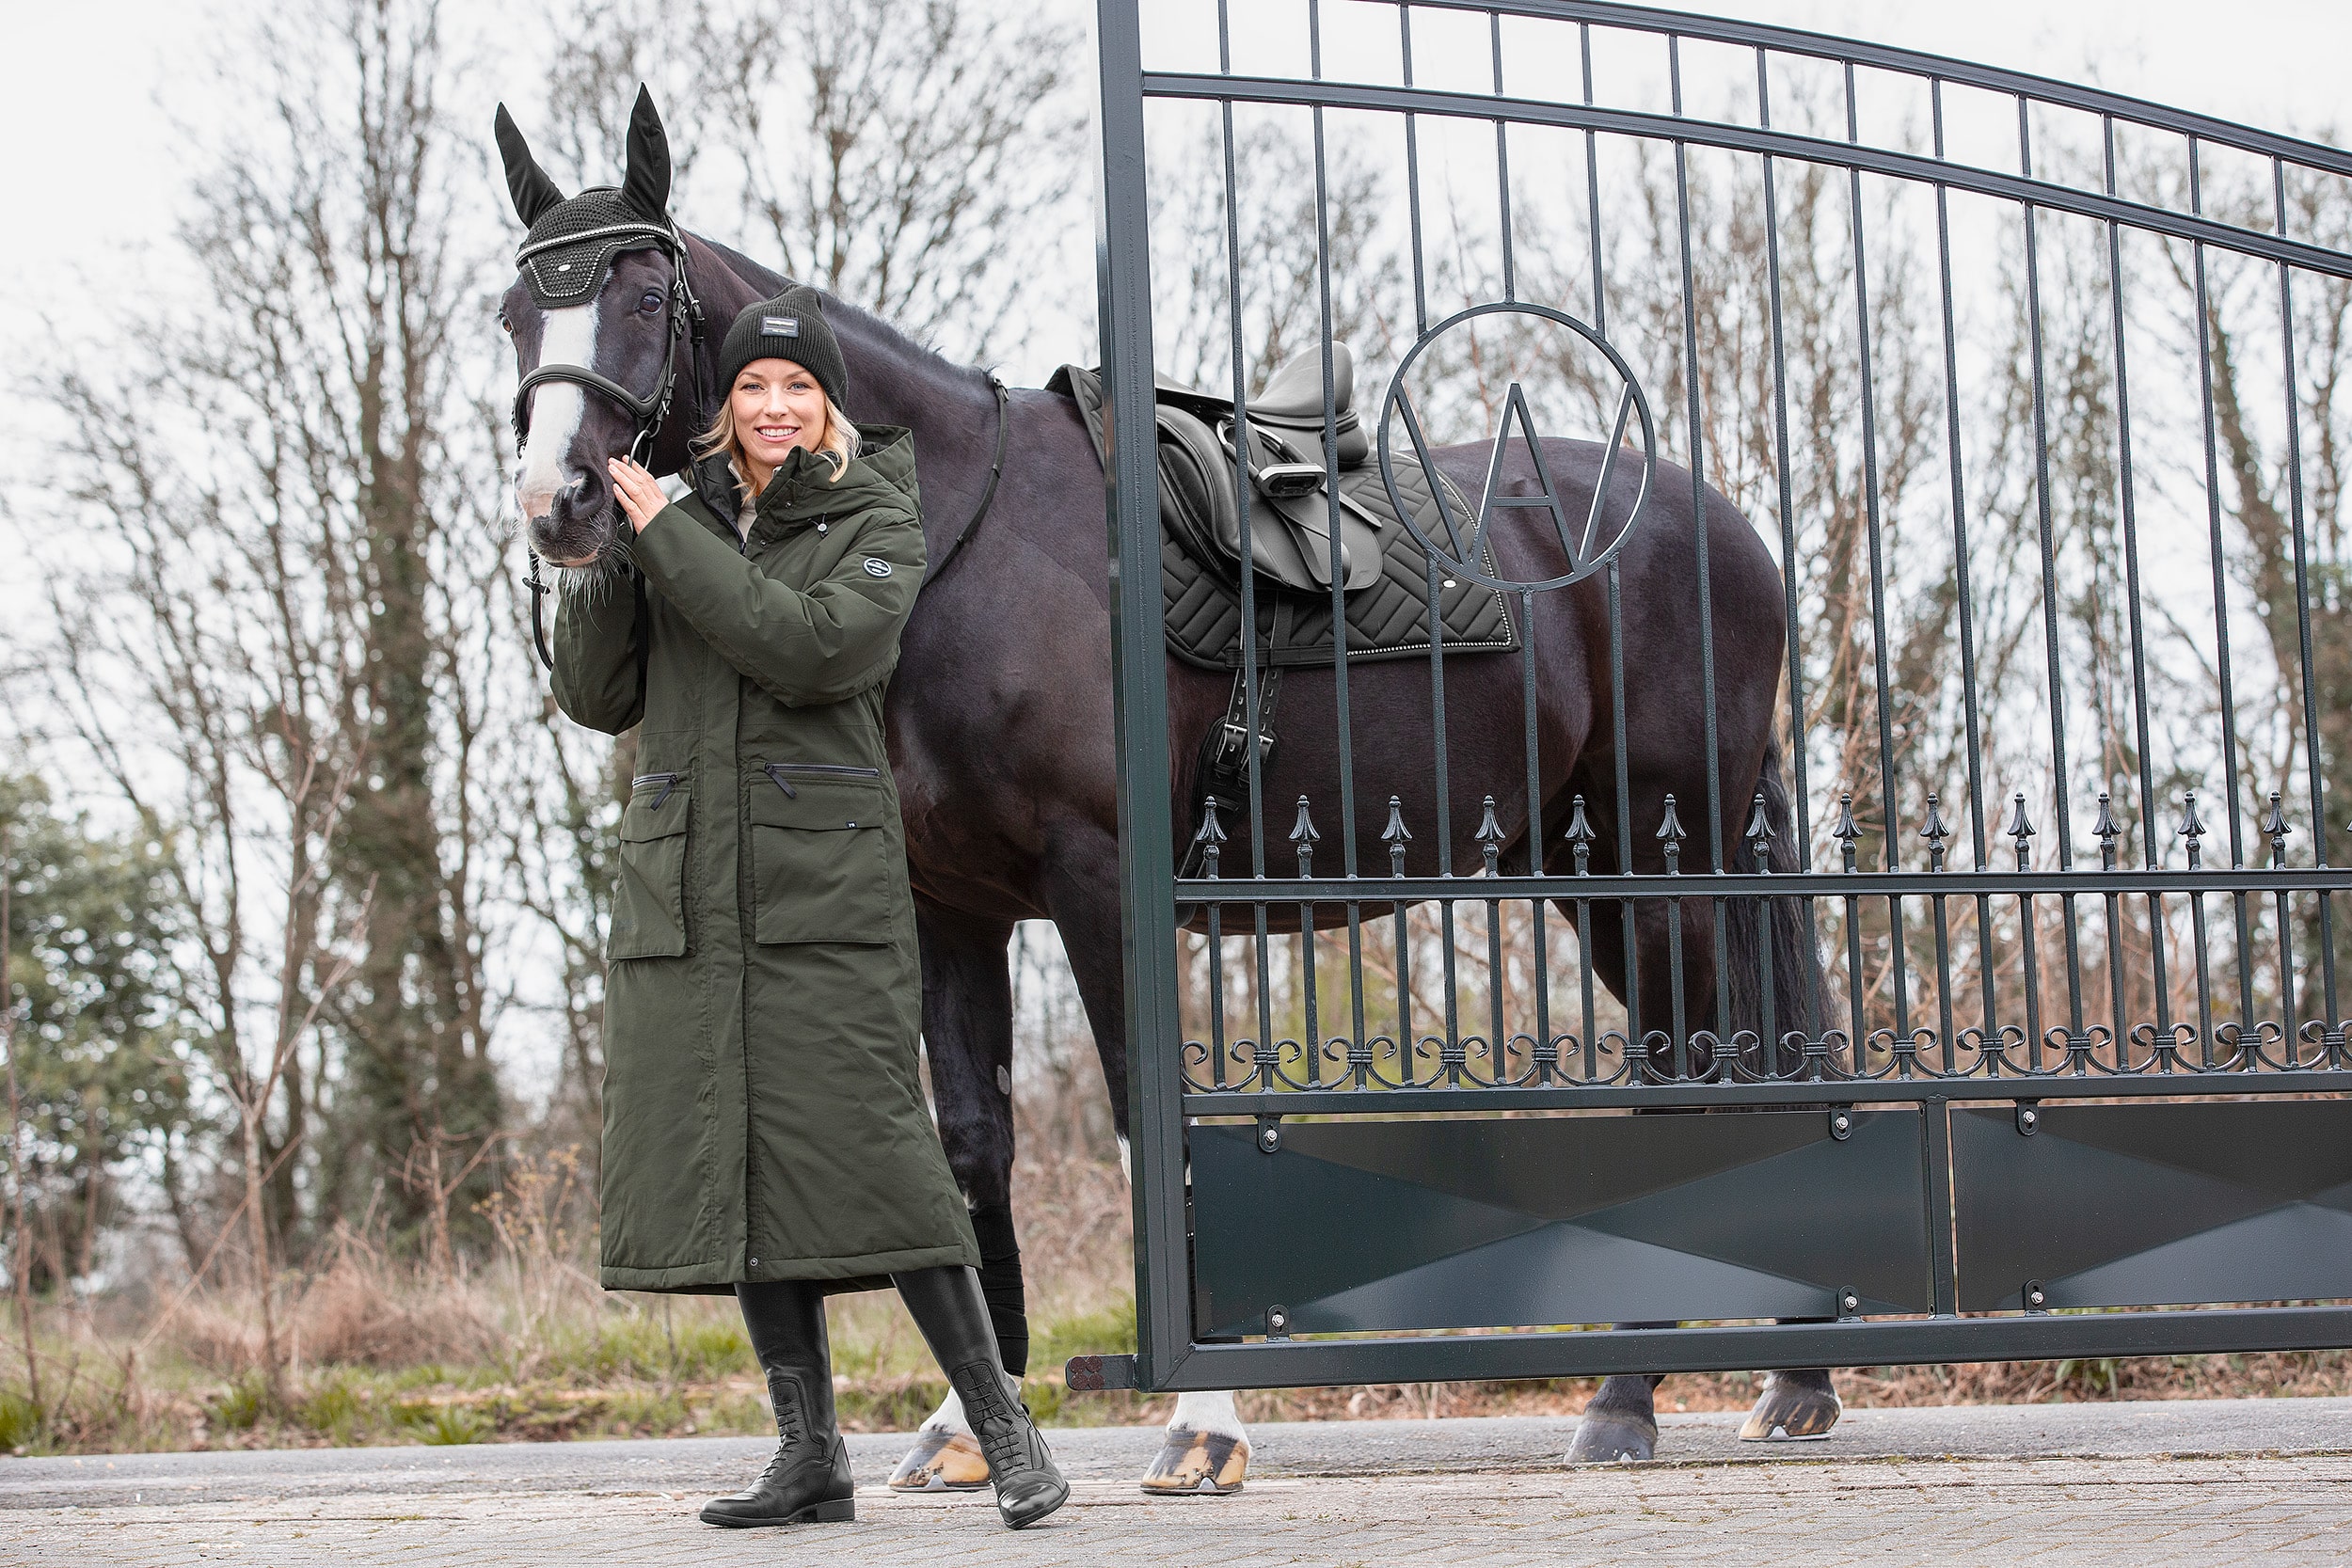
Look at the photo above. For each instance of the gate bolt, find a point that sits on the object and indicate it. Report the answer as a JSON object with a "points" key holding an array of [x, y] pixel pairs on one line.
{"points": [[1269, 1135], [1848, 1303], [2028, 1120], [1278, 1322], [1840, 1125], [2036, 1297]]}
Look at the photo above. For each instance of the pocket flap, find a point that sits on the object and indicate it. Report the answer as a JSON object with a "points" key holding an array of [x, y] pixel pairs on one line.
{"points": [[645, 821], [816, 798]]}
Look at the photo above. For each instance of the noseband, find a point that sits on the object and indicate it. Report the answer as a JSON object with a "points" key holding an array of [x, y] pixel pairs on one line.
{"points": [[648, 412]]}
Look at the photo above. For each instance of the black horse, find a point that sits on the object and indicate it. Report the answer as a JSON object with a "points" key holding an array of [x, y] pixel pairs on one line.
{"points": [[1000, 716]]}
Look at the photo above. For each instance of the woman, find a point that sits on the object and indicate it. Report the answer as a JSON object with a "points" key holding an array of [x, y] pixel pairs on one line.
{"points": [[765, 1127]]}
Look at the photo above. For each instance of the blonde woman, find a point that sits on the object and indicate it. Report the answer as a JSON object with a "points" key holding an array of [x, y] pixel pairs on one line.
{"points": [[765, 1127]]}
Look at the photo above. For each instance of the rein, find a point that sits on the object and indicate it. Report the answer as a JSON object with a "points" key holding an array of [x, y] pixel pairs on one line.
{"points": [[650, 412], [979, 515]]}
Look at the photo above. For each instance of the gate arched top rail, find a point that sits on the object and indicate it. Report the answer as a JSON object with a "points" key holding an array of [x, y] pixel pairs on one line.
{"points": [[1912, 62], [2203, 130]]}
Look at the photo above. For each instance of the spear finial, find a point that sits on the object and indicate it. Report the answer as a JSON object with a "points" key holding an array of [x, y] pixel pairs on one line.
{"points": [[1935, 832], [1489, 835], [1671, 833], [1396, 836], [1579, 836], [1304, 835], [2191, 829], [1211, 837], [1760, 834], [2021, 829]]}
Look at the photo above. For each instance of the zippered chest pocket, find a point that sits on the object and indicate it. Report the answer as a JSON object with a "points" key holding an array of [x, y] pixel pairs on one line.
{"points": [[822, 865]]}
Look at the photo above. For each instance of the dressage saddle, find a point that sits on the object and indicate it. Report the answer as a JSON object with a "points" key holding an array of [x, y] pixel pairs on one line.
{"points": [[1394, 599], [1291, 490]]}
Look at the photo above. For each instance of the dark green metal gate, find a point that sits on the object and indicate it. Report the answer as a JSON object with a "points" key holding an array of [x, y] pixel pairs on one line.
{"points": [[2043, 432]]}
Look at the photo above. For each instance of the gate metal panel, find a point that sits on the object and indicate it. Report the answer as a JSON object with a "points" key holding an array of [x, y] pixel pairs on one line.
{"points": [[1365, 1227], [2030, 926], [2154, 1205]]}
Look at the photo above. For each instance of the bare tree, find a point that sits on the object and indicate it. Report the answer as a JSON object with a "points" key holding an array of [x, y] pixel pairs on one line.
{"points": [[280, 662], [911, 156]]}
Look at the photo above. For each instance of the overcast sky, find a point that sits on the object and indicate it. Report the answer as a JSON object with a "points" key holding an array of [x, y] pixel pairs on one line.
{"points": [[90, 108]]}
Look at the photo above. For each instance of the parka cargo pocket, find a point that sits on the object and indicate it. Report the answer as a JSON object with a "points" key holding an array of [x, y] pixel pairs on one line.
{"points": [[649, 895], [821, 860]]}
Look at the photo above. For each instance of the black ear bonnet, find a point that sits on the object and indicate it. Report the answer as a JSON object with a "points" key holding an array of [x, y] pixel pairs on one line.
{"points": [[580, 239], [572, 242]]}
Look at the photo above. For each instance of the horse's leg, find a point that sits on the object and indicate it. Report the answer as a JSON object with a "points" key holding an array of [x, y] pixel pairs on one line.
{"points": [[1206, 1449], [967, 1030], [1620, 1421]]}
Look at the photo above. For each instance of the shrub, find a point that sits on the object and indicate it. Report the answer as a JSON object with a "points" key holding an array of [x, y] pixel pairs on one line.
{"points": [[242, 1404], [20, 1422], [451, 1424]]}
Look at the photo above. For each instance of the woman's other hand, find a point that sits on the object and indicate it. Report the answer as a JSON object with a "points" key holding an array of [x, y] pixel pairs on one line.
{"points": [[640, 492]]}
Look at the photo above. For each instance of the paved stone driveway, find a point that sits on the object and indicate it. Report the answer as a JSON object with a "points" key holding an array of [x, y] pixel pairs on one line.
{"points": [[1475, 1498]]}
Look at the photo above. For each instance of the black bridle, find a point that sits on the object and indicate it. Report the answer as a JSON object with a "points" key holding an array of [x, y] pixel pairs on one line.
{"points": [[686, 316], [648, 412]]}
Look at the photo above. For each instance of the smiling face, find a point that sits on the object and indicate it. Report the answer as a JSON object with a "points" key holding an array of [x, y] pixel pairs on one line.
{"points": [[561, 487], [777, 406]]}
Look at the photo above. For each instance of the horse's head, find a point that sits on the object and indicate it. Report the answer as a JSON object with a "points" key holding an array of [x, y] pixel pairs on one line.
{"points": [[595, 313]]}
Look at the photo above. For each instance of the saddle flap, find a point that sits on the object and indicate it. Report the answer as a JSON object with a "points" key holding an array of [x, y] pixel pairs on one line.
{"points": [[1309, 520]]}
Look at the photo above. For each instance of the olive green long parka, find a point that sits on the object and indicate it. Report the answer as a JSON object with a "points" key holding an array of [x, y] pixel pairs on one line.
{"points": [[763, 1118]]}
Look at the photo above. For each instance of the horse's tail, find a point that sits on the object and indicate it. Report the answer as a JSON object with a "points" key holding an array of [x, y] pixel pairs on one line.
{"points": [[1788, 951]]}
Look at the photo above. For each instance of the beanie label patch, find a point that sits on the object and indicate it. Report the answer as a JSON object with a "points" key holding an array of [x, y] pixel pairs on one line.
{"points": [[877, 568], [779, 326]]}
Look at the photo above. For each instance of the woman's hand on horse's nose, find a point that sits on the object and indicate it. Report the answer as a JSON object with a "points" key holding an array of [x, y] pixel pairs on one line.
{"points": [[640, 492]]}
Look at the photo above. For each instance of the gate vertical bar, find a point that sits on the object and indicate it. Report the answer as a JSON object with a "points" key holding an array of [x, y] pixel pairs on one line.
{"points": [[1147, 866]]}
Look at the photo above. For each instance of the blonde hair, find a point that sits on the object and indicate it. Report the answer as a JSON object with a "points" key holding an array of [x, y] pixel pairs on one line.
{"points": [[837, 447]]}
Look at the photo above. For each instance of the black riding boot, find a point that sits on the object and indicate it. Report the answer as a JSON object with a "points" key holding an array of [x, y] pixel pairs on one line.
{"points": [[808, 1481], [948, 1308]]}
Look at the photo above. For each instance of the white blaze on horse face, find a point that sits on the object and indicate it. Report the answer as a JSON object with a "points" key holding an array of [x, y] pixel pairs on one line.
{"points": [[1126, 1165], [556, 408]]}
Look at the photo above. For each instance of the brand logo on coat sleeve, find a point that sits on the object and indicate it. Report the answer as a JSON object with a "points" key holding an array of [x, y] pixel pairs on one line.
{"points": [[877, 568]]}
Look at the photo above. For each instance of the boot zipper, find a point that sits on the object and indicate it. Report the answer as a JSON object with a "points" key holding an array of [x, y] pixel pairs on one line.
{"points": [[667, 781]]}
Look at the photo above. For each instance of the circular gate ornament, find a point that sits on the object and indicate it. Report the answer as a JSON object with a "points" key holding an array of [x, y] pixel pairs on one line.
{"points": [[1463, 547]]}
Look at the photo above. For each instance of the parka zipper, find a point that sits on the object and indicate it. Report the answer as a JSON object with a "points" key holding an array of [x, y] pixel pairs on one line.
{"points": [[776, 772], [667, 781]]}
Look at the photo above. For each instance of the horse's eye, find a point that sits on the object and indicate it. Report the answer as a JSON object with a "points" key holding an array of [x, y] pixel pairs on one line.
{"points": [[651, 303], [504, 325]]}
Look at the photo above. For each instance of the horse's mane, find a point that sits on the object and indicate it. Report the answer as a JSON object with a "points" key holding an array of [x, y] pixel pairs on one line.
{"points": [[868, 327]]}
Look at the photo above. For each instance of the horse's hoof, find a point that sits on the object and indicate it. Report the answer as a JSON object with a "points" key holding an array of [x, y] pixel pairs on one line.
{"points": [[1793, 1408], [1198, 1464], [1610, 1436], [941, 1462]]}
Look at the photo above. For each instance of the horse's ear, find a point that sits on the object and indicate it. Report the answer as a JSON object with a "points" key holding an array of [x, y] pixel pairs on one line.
{"points": [[647, 183], [534, 192]]}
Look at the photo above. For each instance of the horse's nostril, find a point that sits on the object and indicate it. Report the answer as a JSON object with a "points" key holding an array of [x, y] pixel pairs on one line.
{"points": [[575, 500]]}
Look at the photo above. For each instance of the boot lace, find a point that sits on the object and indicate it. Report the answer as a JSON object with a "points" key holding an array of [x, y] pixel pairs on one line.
{"points": [[1002, 1428]]}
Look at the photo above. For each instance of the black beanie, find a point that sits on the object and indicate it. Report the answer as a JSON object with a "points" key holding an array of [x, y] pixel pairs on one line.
{"points": [[789, 326]]}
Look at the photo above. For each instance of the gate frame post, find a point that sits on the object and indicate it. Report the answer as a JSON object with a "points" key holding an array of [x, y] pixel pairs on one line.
{"points": [[1147, 866]]}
